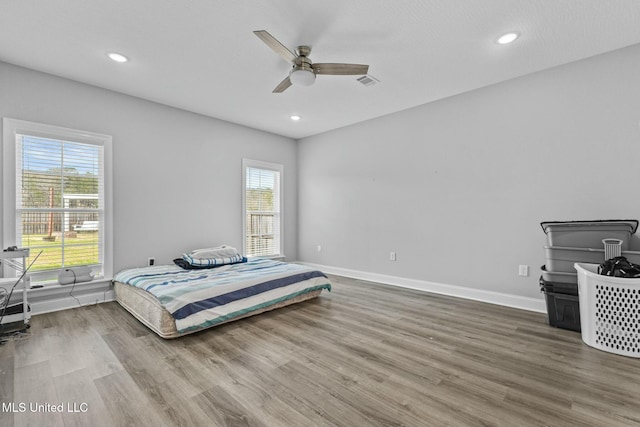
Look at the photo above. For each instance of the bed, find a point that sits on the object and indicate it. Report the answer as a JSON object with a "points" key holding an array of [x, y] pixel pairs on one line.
{"points": [[173, 302]]}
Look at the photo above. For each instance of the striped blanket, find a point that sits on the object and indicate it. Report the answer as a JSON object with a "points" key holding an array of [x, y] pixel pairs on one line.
{"points": [[198, 299]]}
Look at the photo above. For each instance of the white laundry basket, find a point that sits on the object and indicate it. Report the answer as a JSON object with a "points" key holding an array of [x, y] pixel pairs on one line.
{"points": [[609, 311]]}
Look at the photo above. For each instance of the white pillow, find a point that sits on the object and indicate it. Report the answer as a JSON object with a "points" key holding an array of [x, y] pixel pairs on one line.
{"points": [[223, 251]]}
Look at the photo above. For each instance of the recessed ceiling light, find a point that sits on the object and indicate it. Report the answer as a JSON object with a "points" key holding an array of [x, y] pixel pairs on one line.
{"points": [[295, 117], [508, 38], [117, 57]]}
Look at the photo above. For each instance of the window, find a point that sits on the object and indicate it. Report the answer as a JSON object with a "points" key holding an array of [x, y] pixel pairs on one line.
{"points": [[262, 208], [57, 193]]}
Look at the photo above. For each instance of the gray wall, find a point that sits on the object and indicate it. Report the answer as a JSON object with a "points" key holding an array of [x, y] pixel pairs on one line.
{"points": [[177, 175], [458, 187]]}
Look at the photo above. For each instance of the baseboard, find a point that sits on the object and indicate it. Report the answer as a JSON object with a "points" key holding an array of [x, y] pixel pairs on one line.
{"points": [[42, 307], [508, 300], [56, 298], [62, 298]]}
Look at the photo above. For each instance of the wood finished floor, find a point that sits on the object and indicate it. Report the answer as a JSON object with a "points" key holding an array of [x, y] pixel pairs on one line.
{"points": [[363, 355]]}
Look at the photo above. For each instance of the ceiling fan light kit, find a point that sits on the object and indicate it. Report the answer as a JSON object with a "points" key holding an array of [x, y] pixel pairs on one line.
{"points": [[304, 71], [302, 77]]}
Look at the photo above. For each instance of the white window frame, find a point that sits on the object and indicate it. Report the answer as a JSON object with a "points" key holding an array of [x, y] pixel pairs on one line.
{"points": [[257, 164], [13, 127]]}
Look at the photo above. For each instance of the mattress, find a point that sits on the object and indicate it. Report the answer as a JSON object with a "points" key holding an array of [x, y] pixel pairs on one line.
{"points": [[146, 308], [173, 302]]}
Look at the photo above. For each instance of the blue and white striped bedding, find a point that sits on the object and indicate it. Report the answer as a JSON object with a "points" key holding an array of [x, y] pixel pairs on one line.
{"points": [[198, 299]]}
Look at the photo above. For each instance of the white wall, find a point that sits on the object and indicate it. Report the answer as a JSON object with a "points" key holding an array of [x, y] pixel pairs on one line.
{"points": [[458, 187], [177, 175]]}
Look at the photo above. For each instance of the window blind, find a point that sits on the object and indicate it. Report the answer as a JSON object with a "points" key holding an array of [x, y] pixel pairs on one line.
{"points": [[262, 210], [60, 201]]}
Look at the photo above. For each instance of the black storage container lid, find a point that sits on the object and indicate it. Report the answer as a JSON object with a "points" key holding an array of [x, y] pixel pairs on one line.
{"points": [[632, 223]]}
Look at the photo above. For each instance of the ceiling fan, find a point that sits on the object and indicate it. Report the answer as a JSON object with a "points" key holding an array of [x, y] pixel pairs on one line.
{"points": [[304, 71]]}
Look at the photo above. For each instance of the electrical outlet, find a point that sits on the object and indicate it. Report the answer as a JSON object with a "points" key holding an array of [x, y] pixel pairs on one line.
{"points": [[319, 248], [151, 261], [392, 256], [523, 270]]}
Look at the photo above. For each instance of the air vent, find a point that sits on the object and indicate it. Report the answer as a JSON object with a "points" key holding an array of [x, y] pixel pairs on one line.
{"points": [[368, 80]]}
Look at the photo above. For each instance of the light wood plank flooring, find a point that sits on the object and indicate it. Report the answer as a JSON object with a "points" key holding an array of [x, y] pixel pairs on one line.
{"points": [[364, 355]]}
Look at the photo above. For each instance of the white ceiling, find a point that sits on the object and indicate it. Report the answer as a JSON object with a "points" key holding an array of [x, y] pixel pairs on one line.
{"points": [[202, 55]]}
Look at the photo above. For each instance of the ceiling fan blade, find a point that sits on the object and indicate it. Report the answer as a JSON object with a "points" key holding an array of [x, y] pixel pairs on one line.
{"points": [[283, 85], [275, 45], [341, 69]]}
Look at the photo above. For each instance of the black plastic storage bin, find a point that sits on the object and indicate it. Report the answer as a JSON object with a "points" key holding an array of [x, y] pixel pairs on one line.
{"points": [[558, 287], [563, 304]]}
